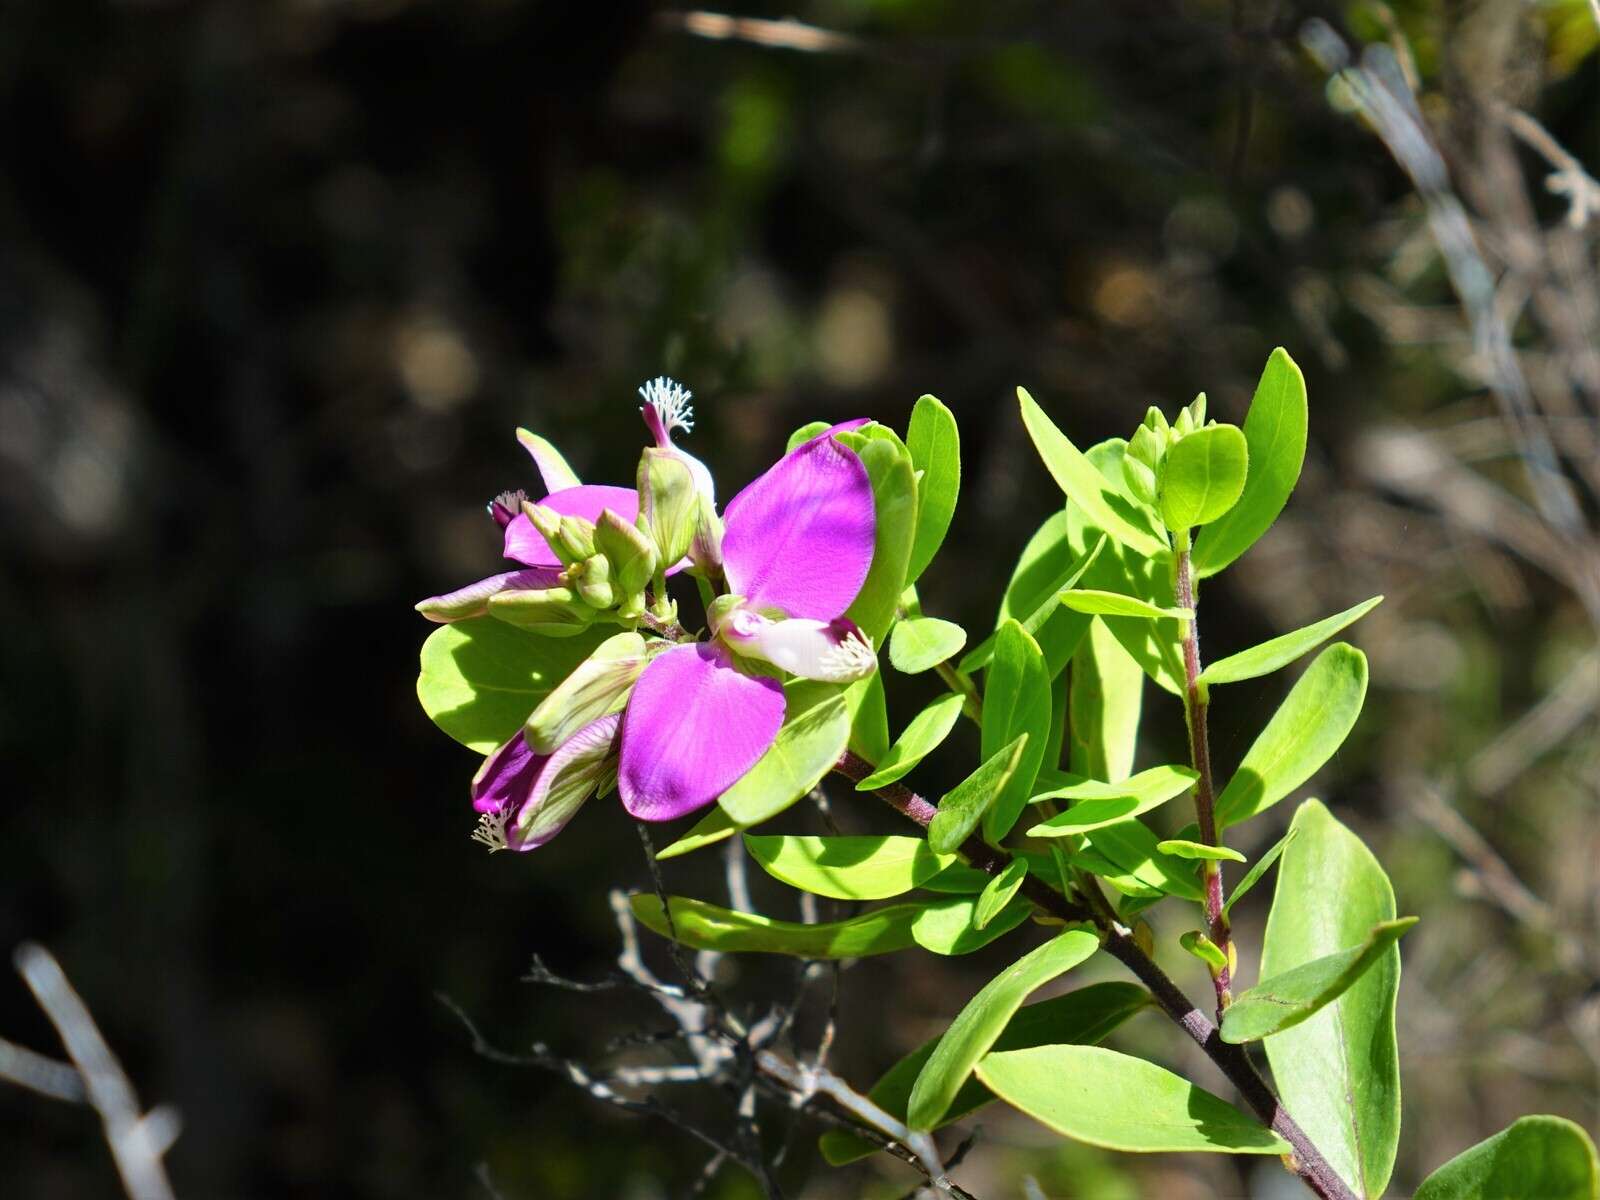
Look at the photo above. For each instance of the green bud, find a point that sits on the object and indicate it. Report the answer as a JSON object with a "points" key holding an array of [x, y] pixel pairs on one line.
{"points": [[669, 504], [705, 551], [720, 610], [548, 522], [1184, 425], [1156, 422], [1147, 447], [631, 606], [1197, 411], [592, 579], [632, 554], [553, 612], [1141, 479], [1203, 948], [577, 537], [599, 686]]}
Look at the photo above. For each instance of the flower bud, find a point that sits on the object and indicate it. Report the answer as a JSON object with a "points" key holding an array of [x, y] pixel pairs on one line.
{"points": [[598, 687], [577, 537], [592, 580], [632, 555], [553, 612], [1197, 411], [669, 504], [550, 523], [1141, 462]]}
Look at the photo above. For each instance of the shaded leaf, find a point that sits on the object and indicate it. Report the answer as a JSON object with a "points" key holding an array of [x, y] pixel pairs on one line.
{"points": [[848, 868], [1535, 1158], [1106, 695], [894, 500], [1049, 565], [1098, 804], [869, 717], [1254, 874], [1016, 702], [963, 806], [716, 826], [999, 891], [1131, 844]]}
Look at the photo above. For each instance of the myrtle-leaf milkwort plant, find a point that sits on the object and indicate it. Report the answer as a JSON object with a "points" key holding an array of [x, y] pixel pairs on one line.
{"points": [[576, 675]]}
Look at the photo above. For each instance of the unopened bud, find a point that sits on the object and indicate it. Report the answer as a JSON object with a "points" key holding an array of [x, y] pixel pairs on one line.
{"points": [[598, 687], [669, 503], [631, 553], [577, 537], [553, 612], [1141, 462], [592, 579], [549, 524], [1197, 411]]}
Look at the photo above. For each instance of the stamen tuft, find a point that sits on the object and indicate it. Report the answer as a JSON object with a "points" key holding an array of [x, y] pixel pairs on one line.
{"points": [[852, 658], [671, 403], [491, 831]]}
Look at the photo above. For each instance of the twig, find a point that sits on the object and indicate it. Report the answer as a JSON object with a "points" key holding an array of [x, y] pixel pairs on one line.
{"points": [[786, 34], [137, 1141], [40, 1073]]}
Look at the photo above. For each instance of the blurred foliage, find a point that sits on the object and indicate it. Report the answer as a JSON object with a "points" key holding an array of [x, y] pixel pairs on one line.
{"points": [[277, 281]]}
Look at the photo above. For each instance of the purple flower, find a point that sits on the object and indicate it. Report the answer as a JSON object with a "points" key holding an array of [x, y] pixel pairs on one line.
{"points": [[526, 799], [796, 548], [541, 567]]}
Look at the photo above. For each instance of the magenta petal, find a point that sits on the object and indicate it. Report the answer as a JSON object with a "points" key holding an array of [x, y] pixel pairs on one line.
{"points": [[799, 538], [506, 777], [473, 600], [563, 784], [522, 540], [693, 726]]}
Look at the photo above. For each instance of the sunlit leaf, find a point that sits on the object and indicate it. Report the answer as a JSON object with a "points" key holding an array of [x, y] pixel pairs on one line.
{"points": [[1281, 651], [848, 868], [934, 442], [1185, 848], [999, 891], [1535, 1158], [816, 728], [1261, 866], [963, 806], [894, 498], [1202, 476], [918, 644], [1112, 604], [1106, 696], [1016, 702], [927, 730]]}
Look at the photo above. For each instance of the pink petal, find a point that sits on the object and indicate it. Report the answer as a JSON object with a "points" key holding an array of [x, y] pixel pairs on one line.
{"points": [[799, 538], [522, 540], [473, 600], [693, 726], [506, 777]]}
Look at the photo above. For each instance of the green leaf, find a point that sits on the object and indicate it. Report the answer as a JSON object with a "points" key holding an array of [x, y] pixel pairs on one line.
{"points": [[714, 827], [919, 644], [1185, 848], [960, 879], [1107, 691], [1308, 727], [1049, 565], [1084, 1016], [1275, 432], [482, 677], [848, 868], [963, 806], [927, 730], [1121, 1103], [1091, 860], [1299, 993], [1281, 651], [815, 731], [1535, 1158], [1203, 948], [1339, 1072], [894, 500], [805, 433], [999, 891], [1254, 874], [942, 926], [1132, 846], [1112, 604], [980, 1023], [1099, 804], [935, 445], [1102, 503], [1016, 701], [1203, 476], [869, 717]]}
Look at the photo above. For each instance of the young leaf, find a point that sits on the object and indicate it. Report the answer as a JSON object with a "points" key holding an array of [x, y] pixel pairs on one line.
{"points": [[1049, 565], [1286, 1000], [1339, 1072], [714, 827], [869, 717], [1100, 804], [927, 730], [848, 868], [1275, 432], [1113, 604], [999, 891], [814, 734], [1121, 1103], [1185, 848], [1203, 948], [1106, 695], [919, 644], [975, 1030], [481, 677], [1281, 651], [1254, 874], [935, 445], [1535, 1158], [1308, 727], [894, 499], [963, 806], [1084, 1017], [1102, 503], [1203, 476], [1132, 846], [1016, 701]]}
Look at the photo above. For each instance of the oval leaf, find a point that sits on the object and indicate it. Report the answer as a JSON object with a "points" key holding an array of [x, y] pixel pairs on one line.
{"points": [[1535, 1158], [997, 893], [848, 868], [1184, 848], [1275, 432], [1310, 724], [927, 730], [918, 644], [814, 734], [1131, 845], [1203, 476], [1105, 697], [1281, 651], [1339, 1072], [963, 806], [934, 442], [1121, 1103], [975, 1030], [1083, 1017], [1285, 1000], [1107, 803], [1016, 702]]}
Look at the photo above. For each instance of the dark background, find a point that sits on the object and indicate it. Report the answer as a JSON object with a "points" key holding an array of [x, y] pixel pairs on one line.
{"points": [[278, 281]]}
